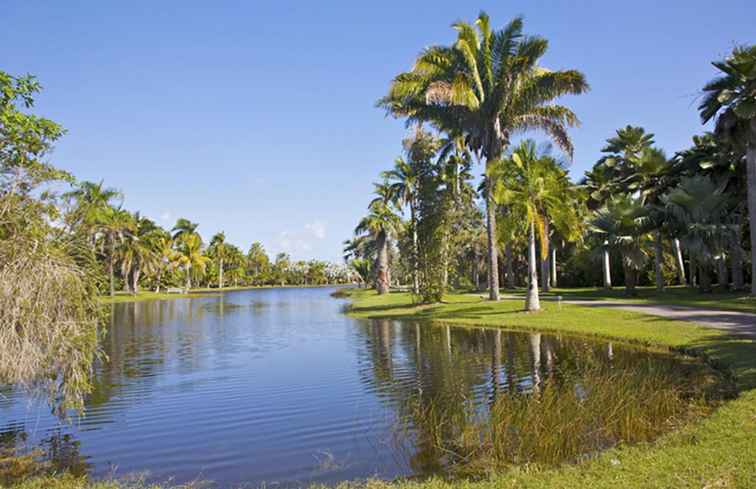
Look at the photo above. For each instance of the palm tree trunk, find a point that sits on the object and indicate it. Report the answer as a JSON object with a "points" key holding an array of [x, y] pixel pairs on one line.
{"points": [[751, 165], [188, 278], [630, 278], [220, 274], [680, 262], [607, 268], [658, 253], [722, 276], [493, 262], [475, 270], [382, 276], [509, 258], [553, 266], [704, 278], [532, 303], [415, 252], [546, 259], [736, 257], [135, 280], [111, 266], [159, 276], [693, 272]]}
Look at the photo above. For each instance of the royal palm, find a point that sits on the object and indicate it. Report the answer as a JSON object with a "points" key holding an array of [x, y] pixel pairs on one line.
{"points": [[486, 87]]}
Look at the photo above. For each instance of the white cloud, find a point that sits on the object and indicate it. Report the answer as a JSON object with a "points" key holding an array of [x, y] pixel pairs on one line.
{"points": [[166, 216], [317, 228]]}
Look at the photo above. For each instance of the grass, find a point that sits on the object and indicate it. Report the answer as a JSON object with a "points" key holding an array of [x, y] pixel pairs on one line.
{"points": [[147, 295], [716, 452], [678, 296]]}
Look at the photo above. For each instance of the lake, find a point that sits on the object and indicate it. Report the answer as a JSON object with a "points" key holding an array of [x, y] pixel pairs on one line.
{"points": [[280, 387]]}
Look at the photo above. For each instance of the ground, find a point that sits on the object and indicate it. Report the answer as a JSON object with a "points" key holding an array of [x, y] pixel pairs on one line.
{"points": [[717, 452]]}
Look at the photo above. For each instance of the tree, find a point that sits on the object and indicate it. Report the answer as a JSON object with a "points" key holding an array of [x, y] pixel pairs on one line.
{"points": [[219, 249], [184, 227], [138, 251], [258, 263], [191, 257], [486, 87], [91, 201], [381, 224], [531, 184], [115, 224], [49, 313], [700, 210], [623, 225], [731, 99]]}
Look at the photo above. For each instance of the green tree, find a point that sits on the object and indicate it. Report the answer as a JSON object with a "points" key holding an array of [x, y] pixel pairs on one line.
{"points": [[258, 263], [487, 86], [191, 257], [219, 250], [731, 99], [381, 224], [532, 184]]}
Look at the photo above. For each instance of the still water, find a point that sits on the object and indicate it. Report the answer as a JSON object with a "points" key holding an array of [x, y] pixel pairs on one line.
{"points": [[278, 386]]}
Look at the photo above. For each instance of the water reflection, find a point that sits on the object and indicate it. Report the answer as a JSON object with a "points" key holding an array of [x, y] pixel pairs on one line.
{"points": [[277, 387]]}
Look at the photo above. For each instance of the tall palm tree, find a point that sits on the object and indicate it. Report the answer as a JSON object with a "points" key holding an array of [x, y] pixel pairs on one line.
{"points": [[191, 257], [166, 253], [114, 224], [486, 87], [731, 98], [404, 180], [138, 251], [381, 223], [533, 185], [219, 248]]}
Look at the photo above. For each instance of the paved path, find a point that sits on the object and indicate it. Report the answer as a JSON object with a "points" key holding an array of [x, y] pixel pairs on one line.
{"points": [[739, 323]]}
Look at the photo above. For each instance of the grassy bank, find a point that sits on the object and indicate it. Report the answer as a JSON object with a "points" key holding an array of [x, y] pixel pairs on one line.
{"points": [[677, 296], [717, 452], [121, 297]]}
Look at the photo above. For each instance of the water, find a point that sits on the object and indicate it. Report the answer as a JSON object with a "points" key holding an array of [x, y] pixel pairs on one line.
{"points": [[277, 386]]}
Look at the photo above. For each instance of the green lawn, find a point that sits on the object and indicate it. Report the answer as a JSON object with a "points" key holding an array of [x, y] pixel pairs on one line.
{"points": [[717, 452], [681, 296]]}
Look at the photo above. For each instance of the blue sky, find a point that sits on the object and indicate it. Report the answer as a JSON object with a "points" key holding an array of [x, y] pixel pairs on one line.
{"points": [[258, 118]]}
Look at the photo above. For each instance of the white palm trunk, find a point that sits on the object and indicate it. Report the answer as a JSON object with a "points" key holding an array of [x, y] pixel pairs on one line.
{"points": [[554, 267], [533, 302], [680, 262], [493, 261], [607, 268]]}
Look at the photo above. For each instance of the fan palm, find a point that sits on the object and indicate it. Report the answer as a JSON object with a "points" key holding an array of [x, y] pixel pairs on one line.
{"points": [[731, 98], [486, 87], [623, 226], [700, 209]]}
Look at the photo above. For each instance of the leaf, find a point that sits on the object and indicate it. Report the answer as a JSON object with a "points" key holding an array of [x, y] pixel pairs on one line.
{"points": [[746, 109], [726, 96]]}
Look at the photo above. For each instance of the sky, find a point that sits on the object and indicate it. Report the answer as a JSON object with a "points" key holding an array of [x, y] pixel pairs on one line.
{"points": [[258, 118]]}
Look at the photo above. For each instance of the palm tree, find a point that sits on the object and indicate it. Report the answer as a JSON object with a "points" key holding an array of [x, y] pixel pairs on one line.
{"points": [[138, 252], [486, 87], [532, 184], [183, 227], [731, 98], [164, 249], [700, 209], [622, 225], [404, 180], [114, 224], [381, 223], [92, 201], [219, 248], [191, 257]]}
